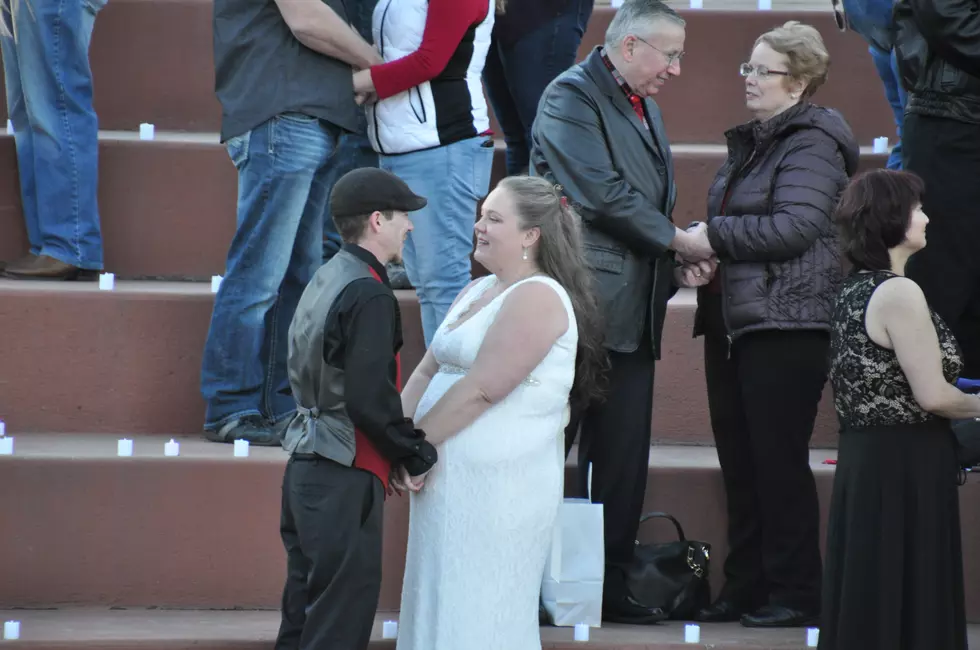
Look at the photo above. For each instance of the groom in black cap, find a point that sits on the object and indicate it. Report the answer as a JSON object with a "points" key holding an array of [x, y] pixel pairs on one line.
{"points": [[349, 432]]}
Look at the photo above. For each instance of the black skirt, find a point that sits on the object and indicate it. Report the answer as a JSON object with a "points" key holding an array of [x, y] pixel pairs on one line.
{"points": [[893, 576]]}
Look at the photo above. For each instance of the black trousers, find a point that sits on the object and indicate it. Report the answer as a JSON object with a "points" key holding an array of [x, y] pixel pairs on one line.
{"points": [[763, 403], [614, 436], [331, 527], [946, 155]]}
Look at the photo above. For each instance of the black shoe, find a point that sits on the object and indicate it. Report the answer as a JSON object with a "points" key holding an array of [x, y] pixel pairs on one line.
{"points": [[721, 611], [629, 611], [779, 616], [252, 428]]}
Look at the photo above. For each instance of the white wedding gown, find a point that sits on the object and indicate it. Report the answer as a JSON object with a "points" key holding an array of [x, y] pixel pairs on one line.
{"points": [[481, 528]]}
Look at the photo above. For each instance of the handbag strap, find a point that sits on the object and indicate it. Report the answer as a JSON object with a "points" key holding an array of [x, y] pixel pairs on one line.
{"points": [[664, 515]]}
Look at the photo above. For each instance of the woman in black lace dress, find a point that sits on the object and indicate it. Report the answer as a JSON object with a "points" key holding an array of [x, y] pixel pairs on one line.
{"points": [[894, 572]]}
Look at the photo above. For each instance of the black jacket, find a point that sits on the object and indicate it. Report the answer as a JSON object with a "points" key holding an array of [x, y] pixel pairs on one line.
{"points": [[619, 176], [937, 43], [778, 247]]}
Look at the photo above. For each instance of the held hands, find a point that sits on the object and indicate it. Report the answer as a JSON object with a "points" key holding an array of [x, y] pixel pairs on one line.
{"points": [[694, 245], [695, 274], [400, 481], [364, 86]]}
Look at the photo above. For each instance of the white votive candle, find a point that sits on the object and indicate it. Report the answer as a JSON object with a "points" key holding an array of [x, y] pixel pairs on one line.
{"points": [[697, 4], [107, 281], [10, 126], [3, 429], [171, 448], [124, 447], [881, 145], [146, 131], [7, 446], [692, 634], [216, 283], [241, 448], [11, 630], [765, 5], [812, 637], [581, 631], [389, 630]]}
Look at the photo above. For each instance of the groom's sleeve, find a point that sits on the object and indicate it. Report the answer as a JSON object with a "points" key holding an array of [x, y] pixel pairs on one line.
{"points": [[373, 402]]}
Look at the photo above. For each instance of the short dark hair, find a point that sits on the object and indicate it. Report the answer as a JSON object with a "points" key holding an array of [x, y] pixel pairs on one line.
{"points": [[874, 214], [350, 228]]}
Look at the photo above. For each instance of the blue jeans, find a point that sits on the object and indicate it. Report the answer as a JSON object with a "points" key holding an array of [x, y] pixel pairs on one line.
{"points": [[454, 179], [56, 131], [887, 66], [353, 152], [283, 166], [514, 87]]}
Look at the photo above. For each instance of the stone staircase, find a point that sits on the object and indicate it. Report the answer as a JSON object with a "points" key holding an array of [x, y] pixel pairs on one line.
{"points": [[155, 553]]}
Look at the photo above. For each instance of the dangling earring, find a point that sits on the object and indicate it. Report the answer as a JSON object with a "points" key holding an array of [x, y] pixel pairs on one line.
{"points": [[524, 254]]}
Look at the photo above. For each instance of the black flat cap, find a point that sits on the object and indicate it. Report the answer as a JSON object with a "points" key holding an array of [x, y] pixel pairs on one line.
{"points": [[369, 189]]}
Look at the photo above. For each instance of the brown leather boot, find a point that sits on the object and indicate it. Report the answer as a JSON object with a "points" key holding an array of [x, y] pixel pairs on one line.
{"points": [[42, 267]]}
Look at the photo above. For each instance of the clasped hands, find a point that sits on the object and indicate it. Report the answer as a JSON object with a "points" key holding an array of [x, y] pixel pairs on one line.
{"points": [[698, 259], [400, 481]]}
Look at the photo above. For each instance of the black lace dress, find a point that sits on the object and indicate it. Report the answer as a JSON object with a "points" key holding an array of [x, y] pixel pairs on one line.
{"points": [[893, 575]]}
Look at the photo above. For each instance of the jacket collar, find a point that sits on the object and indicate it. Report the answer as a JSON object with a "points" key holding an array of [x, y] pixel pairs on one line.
{"points": [[607, 83]]}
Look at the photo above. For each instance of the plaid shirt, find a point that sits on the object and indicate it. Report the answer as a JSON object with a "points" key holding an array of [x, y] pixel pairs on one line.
{"points": [[635, 100]]}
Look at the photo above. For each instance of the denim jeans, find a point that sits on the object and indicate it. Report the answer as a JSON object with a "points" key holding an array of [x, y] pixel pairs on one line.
{"points": [[454, 179], [514, 87], [56, 131], [887, 66], [283, 166], [353, 152]]}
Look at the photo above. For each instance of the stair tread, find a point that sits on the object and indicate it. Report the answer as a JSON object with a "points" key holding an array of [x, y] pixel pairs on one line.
{"points": [[206, 628], [99, 446]]}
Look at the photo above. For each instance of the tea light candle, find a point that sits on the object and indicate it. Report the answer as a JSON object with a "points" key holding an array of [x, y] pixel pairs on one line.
{"points": [[241, 448], [692, 634], [389, 630], [581, 631], [812, 637], [216, 283], [881, 145], [146, 131], [171, 448], [11, 630], [107, 281], [6, 446], [124, 447]]}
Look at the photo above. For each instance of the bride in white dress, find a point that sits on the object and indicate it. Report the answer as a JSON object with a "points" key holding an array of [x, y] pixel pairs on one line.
{"points": [[493, 394]]}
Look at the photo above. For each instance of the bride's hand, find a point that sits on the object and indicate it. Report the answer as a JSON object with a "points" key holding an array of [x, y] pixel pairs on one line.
{"points": [[412, 483]]}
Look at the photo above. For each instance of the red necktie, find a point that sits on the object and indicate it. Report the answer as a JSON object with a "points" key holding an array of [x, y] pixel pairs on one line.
{"points": [[637, 103]]}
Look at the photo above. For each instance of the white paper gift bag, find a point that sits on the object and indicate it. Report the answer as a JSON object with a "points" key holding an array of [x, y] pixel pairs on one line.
{"points": [[572, 587]]}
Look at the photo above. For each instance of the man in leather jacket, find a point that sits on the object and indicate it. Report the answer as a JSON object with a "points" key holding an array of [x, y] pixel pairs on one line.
{"points": [[600, 136], [937, 44]]}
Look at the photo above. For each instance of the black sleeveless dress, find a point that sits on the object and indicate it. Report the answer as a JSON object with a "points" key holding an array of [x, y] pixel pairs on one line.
{"points": [[893, 576]]}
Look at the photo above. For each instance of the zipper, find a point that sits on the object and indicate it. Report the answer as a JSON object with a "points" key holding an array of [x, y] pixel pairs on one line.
{"points": [[381, 44], [724, 285]]}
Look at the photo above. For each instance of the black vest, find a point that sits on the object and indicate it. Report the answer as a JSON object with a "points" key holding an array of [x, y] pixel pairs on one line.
{"points": [[261, 70]]}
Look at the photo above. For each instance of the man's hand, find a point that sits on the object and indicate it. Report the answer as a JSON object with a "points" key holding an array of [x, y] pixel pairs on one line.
{"points": [[693, 243], [400, 481], [690, 276]]}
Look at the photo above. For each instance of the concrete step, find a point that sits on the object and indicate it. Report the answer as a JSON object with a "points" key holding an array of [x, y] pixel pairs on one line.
{"points": [[129, 361], [153, 62], [135, 629], [201, 530], [168, 205]]}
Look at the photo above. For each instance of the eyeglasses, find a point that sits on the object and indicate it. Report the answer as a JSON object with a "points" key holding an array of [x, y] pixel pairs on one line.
{"points": [[671, 57], [747, 69]]}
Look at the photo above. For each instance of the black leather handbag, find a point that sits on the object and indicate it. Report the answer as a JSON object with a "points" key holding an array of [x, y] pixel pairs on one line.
{"points": [[672, 576]]}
